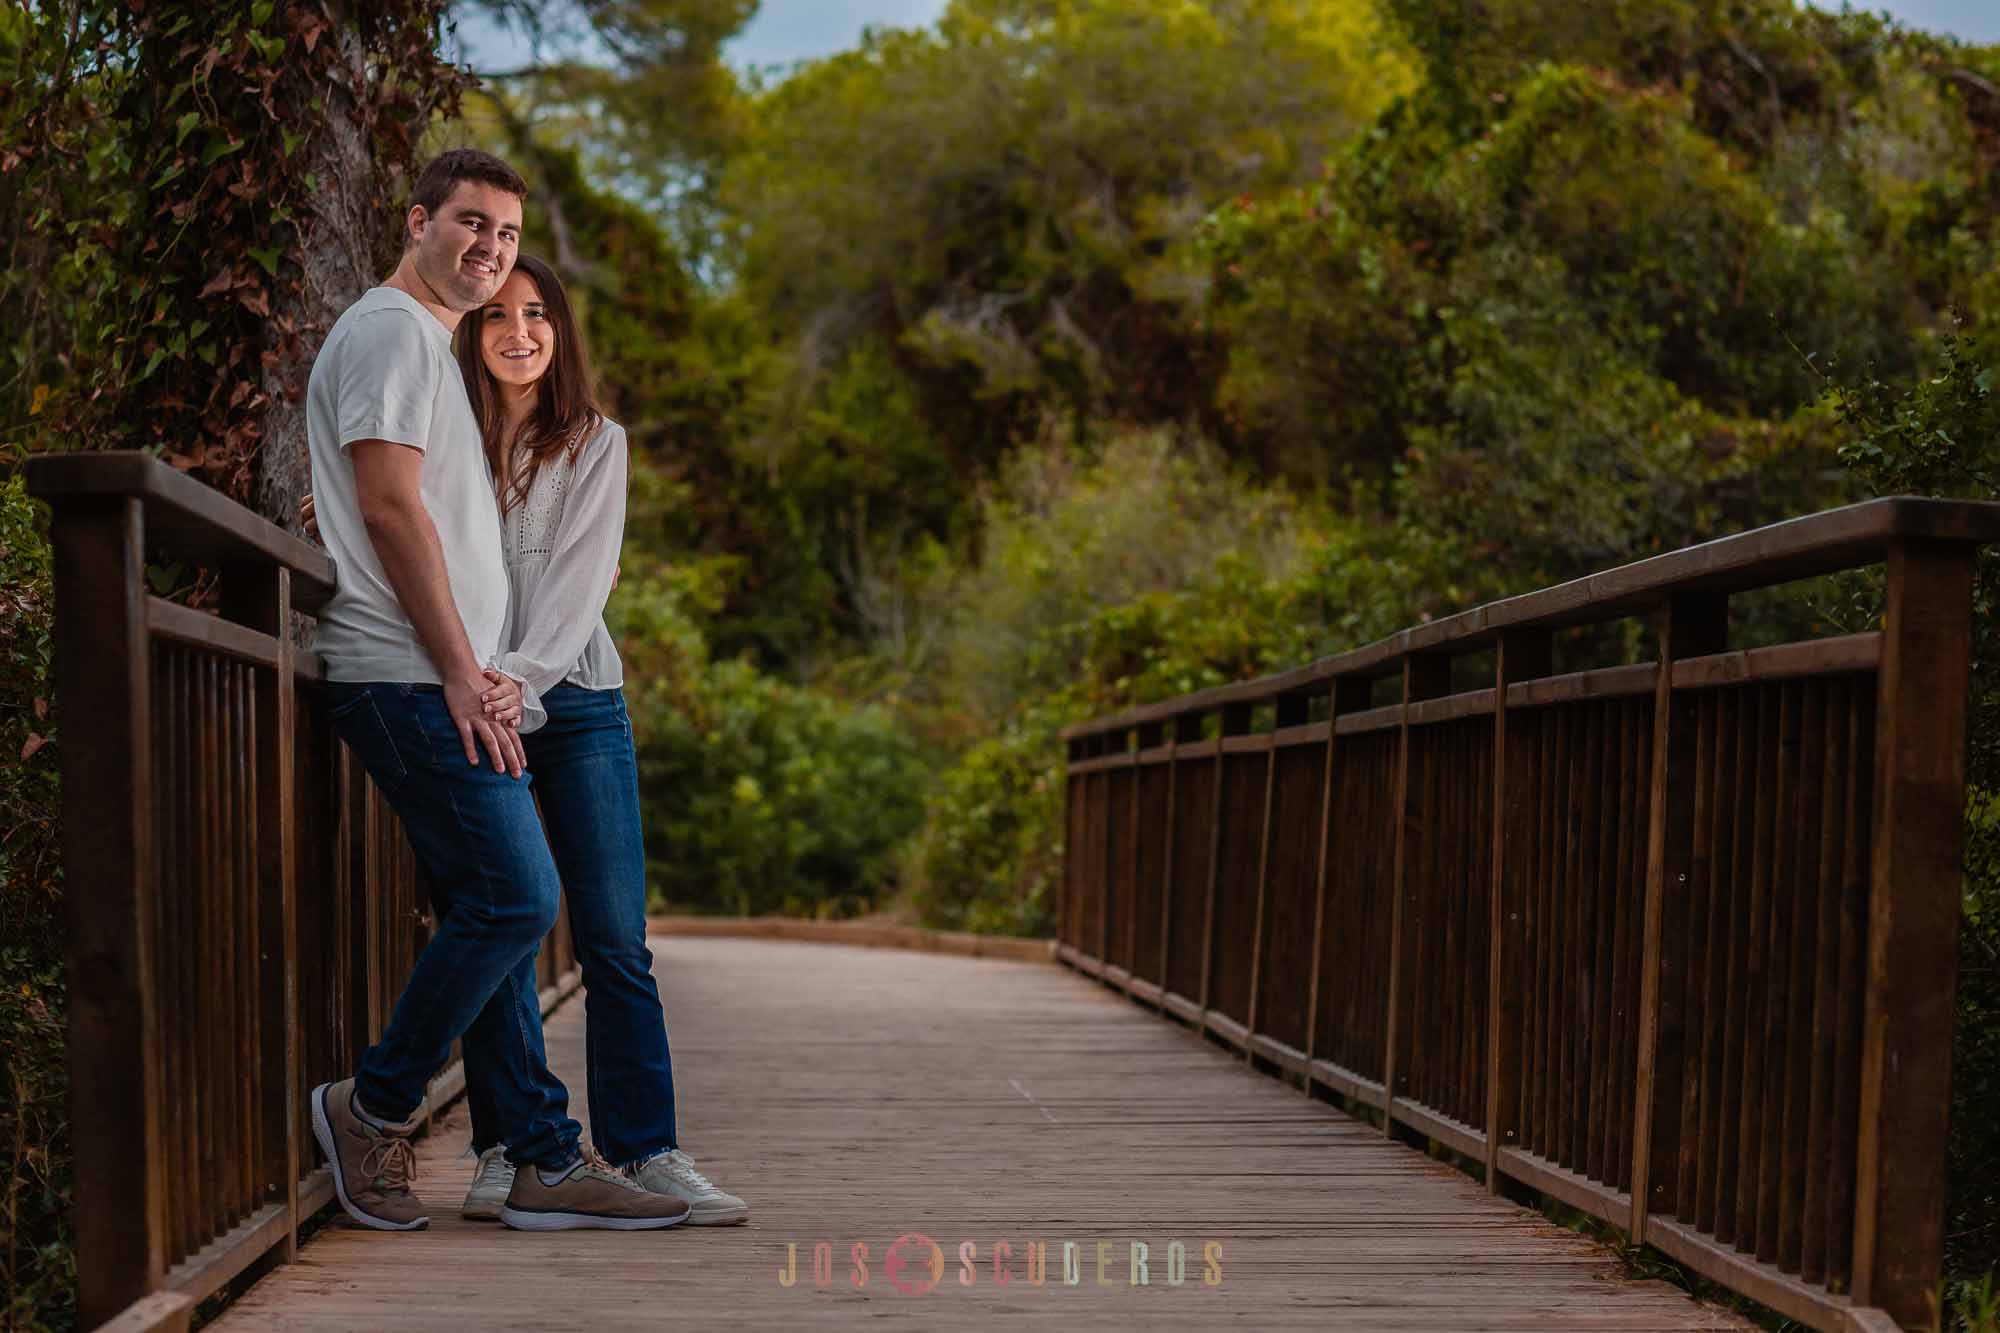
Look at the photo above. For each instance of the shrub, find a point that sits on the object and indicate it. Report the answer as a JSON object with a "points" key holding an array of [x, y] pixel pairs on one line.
{"points": [[34, 1223]]}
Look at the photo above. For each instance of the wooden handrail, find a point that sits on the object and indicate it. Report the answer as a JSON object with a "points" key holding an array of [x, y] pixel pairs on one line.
{"points": [[1673, 942], [1846, 538], [242, 905]]}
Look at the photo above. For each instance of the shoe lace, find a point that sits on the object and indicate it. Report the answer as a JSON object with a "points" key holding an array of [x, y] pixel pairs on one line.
{"points": [[682, 1168], [494, 1166], [595, 1165], [391, 1163]]}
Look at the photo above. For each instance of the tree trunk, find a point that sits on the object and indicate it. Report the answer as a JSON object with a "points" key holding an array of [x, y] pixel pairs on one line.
{"points": [[338, 246]]}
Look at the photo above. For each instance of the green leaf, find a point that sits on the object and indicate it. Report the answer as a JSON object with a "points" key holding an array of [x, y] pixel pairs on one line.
{"points": [[184, 125], [219, 148]]}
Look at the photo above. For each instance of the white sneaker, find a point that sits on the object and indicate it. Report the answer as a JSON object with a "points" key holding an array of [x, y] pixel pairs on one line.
{"points": [[672, 1173], [491, 1182]]}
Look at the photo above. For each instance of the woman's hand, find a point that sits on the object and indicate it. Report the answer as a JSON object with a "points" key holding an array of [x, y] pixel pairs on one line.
{"points": [[502, 700], [308, 521]]}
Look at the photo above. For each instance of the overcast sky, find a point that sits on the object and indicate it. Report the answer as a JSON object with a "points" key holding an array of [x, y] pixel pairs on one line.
{"points": [[785, 31]]}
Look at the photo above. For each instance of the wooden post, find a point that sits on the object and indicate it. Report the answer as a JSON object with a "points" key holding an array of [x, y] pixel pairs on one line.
{"points": [[1691, 625], [260, 596], [1520, 655], [1425, 676], [1913, 911], [103, 689]]}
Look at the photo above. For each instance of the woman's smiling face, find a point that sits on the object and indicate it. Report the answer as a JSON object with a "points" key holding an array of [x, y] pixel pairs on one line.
{"points": [[516, 338]]}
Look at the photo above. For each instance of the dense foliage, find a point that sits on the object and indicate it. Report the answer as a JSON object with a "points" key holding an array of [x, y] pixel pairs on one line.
{"points": [[1068, 355]]}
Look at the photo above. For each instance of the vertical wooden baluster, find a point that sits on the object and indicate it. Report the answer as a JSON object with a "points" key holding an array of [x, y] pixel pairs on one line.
{"points": [[1425, 676], [1794, 1113], [205, 1186], [261, 597], [1855, 874], [1695, 1016], [1186, 731], [1773, 1128], [1754, 974], [1582, 918], [1604, 941], [1594, 1055], [1344, 696], [1553, 726], [1150, 737], [1290, 712], [1722, 899], [1913, 911], [1691, 625], [1826, 889], [1072, 802], [1119, 743], [1235, 722]]}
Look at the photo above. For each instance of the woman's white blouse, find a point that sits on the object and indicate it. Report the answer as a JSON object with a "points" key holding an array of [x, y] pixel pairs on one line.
{"points": [[562, 544]]}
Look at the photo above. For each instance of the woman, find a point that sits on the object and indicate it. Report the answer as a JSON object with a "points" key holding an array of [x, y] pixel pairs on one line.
{"points": [[560, 466]]}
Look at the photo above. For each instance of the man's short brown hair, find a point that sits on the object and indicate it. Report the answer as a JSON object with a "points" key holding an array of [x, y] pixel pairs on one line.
{"points": [[442, 174]]}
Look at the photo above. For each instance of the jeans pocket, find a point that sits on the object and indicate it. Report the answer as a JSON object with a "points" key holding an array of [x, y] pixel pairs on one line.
{"points": [[359, 723]]}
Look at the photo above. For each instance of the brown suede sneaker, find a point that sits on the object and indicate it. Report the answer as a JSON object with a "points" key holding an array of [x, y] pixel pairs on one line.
{"points": [[372, 1168], [590, 1194]]}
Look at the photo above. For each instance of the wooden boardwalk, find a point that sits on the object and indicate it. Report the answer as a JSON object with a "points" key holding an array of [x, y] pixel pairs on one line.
{"points": [[854, 1095]]}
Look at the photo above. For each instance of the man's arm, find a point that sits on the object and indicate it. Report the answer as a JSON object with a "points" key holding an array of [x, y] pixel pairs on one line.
{"points": [[387, 480]]}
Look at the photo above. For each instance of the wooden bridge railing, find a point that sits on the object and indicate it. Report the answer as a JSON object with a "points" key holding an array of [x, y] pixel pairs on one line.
{"points": [[243, 908], [1673, 943]]}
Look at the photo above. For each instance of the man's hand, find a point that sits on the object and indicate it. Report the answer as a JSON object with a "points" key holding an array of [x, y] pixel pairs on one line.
{"points": [[462, 700], [503, 698], [308, 517]]}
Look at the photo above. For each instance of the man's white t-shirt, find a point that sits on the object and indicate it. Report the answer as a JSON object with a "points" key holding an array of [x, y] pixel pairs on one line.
{"points": [[387, 373]]}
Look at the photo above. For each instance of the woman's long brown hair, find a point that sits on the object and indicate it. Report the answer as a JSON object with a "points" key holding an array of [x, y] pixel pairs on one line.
{"points": [[565, 414]]}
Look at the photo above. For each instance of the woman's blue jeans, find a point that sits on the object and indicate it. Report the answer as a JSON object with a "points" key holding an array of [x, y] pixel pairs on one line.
{"points": [[494, 893], [587, 781]]}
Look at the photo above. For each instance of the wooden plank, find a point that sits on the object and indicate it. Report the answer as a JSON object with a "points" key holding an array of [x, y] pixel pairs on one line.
{"points": [[1342, 1232], [1810, 1305], [168, 620], [1386, 718], [1913, 912], [1471, 703], [184, 516], [1567, 1186], [103, 673], [161, 1312], [1620, 682], [1693, 626], [1786, 661]]}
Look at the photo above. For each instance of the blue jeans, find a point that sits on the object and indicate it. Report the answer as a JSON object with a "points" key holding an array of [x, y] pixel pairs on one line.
{"points": [[494, 893], [588, 785]]}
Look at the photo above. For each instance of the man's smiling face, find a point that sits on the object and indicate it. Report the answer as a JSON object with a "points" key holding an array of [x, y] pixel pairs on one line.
{"points": [[466, 250]]}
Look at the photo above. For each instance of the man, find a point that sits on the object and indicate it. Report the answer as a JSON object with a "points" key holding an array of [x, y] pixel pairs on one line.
{"points": [[405, 503]]}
